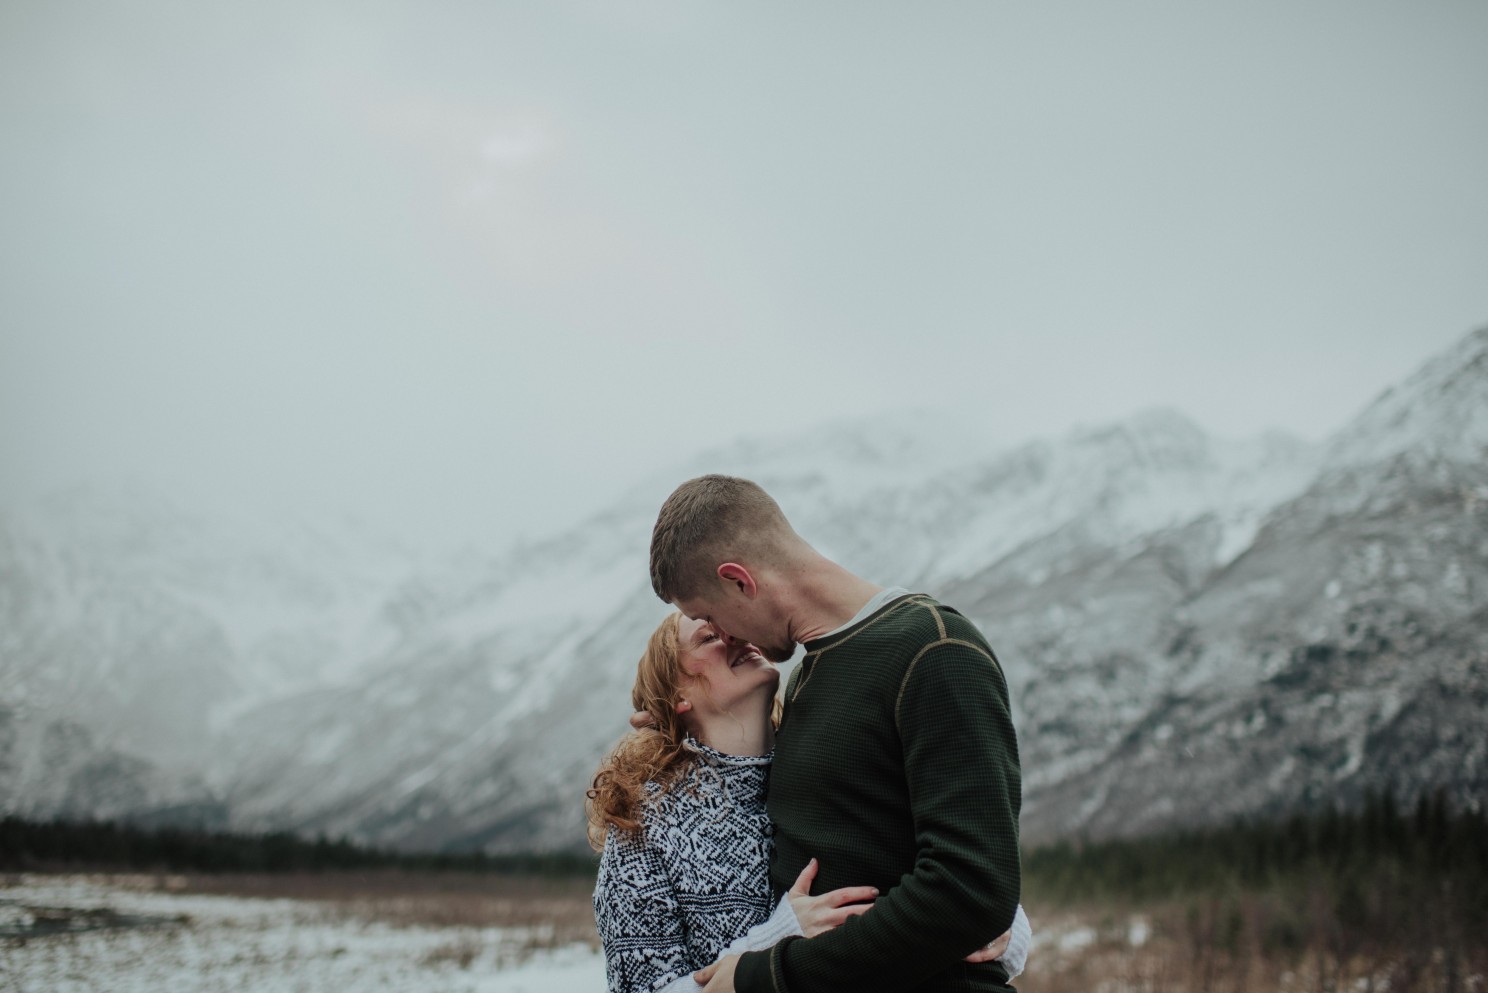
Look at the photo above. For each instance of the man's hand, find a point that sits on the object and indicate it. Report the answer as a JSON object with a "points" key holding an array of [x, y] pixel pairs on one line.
{"points": [[993, 951], [642, 719], [718, 977]]}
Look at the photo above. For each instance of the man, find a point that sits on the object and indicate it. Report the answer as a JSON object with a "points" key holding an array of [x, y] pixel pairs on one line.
{"points": [[896, 763]]}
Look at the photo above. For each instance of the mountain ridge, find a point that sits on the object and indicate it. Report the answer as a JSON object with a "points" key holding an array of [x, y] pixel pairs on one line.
{"points": [[1192, 628]]}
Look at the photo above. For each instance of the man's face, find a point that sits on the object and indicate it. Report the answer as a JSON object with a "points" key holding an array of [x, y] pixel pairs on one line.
{"points": [[740, 618]]}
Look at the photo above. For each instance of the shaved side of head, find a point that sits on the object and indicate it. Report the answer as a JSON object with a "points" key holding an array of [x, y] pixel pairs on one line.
{"points": [[711, 520]]}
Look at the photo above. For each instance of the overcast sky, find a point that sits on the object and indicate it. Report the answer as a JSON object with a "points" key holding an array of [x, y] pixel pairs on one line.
{"points": [[467, 268]]}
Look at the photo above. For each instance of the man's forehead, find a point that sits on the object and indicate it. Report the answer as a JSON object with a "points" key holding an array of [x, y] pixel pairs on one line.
{"points": [[695, 609]]}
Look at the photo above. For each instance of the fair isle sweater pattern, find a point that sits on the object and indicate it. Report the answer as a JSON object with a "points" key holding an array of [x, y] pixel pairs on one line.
{"points": [[669, 900]]}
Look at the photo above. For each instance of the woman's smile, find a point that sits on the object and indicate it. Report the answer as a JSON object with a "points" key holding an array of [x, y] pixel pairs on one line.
{"points": [[747, 653]]}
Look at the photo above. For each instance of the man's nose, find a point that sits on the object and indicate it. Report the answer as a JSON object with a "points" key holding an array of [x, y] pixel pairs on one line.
{"points": [[728, 639]]}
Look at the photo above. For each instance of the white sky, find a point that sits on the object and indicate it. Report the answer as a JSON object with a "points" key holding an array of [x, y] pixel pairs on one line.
{"points": [[470, 268]]}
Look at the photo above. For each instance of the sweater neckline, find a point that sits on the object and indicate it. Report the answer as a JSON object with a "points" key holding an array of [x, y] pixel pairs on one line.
{"points": [[716, 757]]}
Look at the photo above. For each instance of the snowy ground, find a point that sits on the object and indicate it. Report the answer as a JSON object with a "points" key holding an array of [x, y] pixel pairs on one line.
{"points": [[88, 934]]}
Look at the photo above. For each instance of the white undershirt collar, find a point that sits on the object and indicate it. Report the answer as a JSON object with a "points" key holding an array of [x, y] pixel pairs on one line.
{"points": [[878, 601]]}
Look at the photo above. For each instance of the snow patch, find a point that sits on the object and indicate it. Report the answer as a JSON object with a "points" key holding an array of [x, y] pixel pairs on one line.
{"points": [[1076, 939], [213, 943]]}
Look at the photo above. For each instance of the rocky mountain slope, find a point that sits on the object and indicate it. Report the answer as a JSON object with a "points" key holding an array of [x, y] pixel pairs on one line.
{"points": [[1192, 628]]}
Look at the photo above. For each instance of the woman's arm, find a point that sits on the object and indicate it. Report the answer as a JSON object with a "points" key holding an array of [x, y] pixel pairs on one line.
{"points": [[1016, 956], [821, 912], [780, 924], [639, 921]]}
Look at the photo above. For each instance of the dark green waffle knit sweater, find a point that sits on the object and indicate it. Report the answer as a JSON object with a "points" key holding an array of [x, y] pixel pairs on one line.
{"points": [[897, 767]]}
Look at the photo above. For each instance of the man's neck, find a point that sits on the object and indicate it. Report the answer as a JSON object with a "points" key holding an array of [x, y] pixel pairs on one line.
{"points": [[826, 596]]}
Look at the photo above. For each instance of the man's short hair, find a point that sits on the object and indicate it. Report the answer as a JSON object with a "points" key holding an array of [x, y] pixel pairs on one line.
{"points": [[707, 521]]}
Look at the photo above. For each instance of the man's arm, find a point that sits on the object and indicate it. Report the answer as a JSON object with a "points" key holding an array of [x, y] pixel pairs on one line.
{"points": [[961, 766]]}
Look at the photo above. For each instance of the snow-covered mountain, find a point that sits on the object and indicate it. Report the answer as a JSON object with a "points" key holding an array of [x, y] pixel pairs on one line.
{"points": [[1192, 628], [132, 634]]}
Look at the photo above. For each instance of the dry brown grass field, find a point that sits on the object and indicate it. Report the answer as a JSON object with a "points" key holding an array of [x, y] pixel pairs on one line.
{"points": [[558, 908], [1243, 944]]}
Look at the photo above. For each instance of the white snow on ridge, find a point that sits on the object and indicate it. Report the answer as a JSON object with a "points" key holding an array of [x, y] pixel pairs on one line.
{"points": [[1442, 409], [1115, 485]]}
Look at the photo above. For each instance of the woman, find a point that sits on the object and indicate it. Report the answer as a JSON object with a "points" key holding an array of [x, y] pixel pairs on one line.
{"points": [[678, 810]]}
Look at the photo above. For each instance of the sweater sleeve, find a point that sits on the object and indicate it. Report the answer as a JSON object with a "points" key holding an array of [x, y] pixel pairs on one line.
{"points": [[638, 918], [961, 768], [780, 925], [1016, 956]]}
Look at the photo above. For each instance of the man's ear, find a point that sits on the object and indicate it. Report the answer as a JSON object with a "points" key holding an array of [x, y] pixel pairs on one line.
{"points": [[733, 572]]}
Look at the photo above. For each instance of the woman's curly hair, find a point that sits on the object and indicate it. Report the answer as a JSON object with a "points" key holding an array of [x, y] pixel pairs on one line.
{"points": [[651, 754]]}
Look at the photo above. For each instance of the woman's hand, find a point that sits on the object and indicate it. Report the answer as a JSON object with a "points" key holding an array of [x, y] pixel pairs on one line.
{"points": [[822, 913], [993, 951]]}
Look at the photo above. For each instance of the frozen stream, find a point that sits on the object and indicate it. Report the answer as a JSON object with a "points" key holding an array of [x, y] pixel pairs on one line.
{"points": [[84, 934]]}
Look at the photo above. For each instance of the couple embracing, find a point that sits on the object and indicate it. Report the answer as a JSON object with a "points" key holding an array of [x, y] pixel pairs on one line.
{"points": [[878, 801]]}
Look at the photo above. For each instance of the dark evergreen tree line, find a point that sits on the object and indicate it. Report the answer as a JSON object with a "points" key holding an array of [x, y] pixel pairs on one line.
{"points": [[1381, 845], [1426, 840], [27, 846]]}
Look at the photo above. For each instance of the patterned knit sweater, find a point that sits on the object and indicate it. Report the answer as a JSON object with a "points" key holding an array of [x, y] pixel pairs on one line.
{"points": [[672, 899], [896, 766]]}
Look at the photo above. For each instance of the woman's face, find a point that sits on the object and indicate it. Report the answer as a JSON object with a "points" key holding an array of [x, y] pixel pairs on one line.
{"points": [[718, 676]]}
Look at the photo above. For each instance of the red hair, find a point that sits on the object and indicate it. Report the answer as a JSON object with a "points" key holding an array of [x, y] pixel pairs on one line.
{"points": [[654, 754]]}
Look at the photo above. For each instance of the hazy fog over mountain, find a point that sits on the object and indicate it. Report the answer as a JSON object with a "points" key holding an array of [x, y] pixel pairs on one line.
{"points": [[1193, 628], [465, 270]]}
